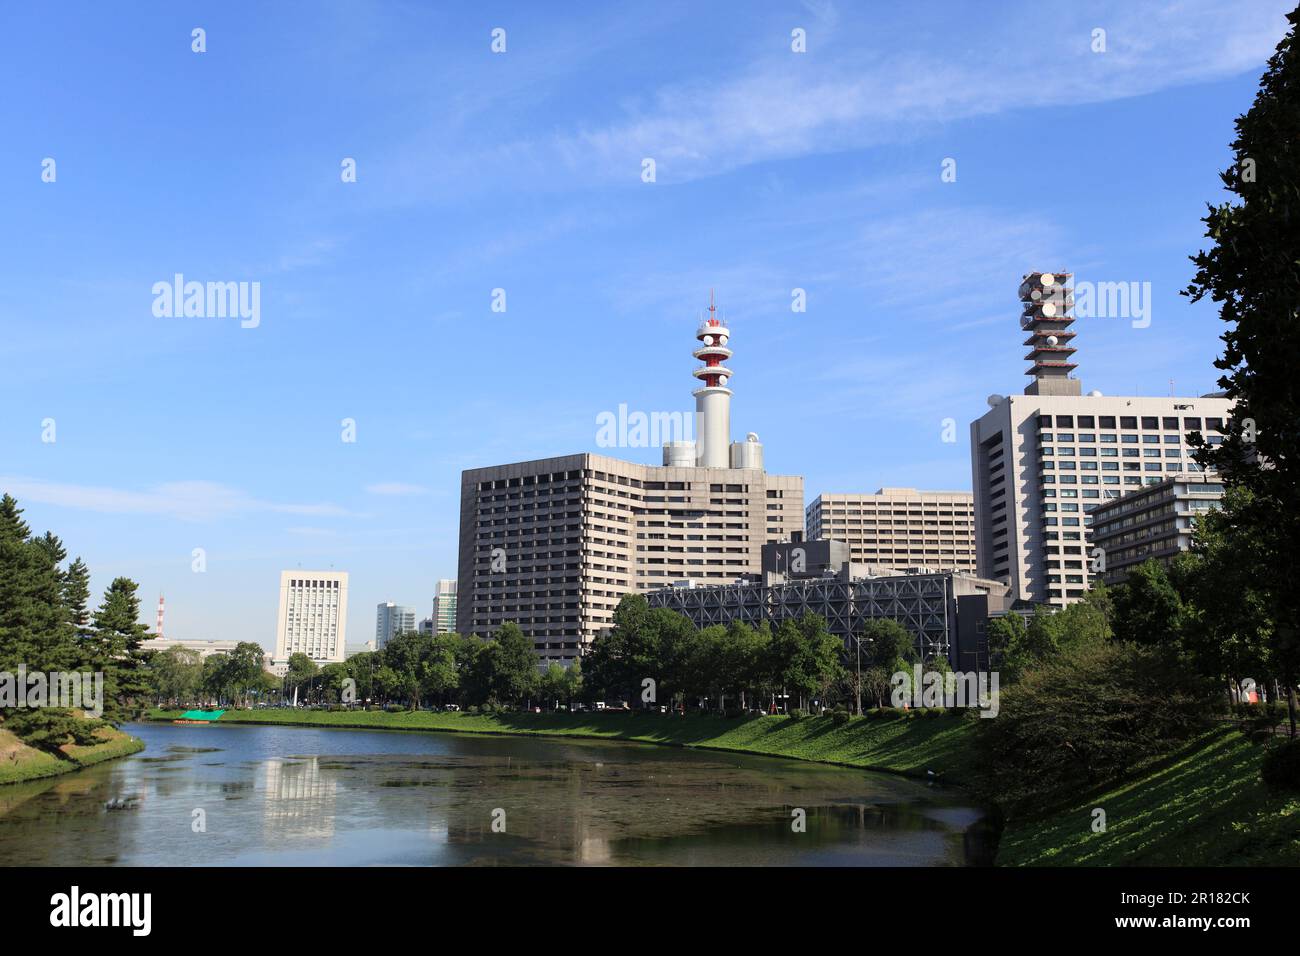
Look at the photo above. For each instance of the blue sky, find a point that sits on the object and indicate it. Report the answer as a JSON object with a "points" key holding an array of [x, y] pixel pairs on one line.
{"points": [[522, 171]]}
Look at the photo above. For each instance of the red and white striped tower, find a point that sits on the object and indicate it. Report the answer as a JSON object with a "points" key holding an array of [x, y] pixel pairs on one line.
{"points": [[713, 398], [158, 631]]}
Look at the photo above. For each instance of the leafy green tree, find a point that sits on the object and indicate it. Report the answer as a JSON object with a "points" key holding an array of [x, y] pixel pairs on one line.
{"points": [[658, 644], [1148, 608], [551, 685], [1253, 272], [1086, 717], [745, 669], [805, 657], [573, 681], [406, 654], [242, 669], [1014, 647], [474, 669], [1227, 622], [333, 680], [212, 683], [891, 646], [441, 675], [1008, 639], [361, 668], [513, 665], [1074, 625], [176, 675], [302, 670], [876, 685]]}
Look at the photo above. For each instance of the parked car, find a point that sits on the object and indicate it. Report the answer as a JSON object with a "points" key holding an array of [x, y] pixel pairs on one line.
{"points": [[452, 708]]}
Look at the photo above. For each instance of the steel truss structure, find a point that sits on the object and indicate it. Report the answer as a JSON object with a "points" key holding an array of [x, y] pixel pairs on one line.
{"points": [[922, 603]]}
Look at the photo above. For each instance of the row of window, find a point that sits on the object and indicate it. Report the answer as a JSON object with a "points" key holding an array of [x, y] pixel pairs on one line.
{"points": [[1128, 421]]}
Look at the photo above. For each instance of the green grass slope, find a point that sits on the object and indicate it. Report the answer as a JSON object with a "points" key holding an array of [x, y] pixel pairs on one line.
{"points": [[1205, 805], [911, 745], [18, 762]]}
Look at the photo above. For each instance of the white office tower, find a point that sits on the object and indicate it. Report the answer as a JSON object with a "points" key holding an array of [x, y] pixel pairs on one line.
{"points": [[390, 620], [444, 606], [313, 616], [1042, 461]]}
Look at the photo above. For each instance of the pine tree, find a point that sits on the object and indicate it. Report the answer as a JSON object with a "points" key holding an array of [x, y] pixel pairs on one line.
{"points": [[76, 596], [32, 621], [118, 640]]}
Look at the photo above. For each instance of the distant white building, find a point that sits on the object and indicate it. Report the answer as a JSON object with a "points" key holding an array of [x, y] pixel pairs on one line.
{"points": [[444, 606], [390, 620], [313, 616]]}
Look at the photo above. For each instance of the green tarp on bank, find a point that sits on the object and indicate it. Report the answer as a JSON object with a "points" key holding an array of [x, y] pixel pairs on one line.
{"points": [[202, 715]]}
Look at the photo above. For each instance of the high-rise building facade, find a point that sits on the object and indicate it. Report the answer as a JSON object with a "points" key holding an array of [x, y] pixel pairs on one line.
{"points": [[1152, 523], [1042, 461], [444, 606], [899, 529], [554, 544], [313, 616], [390, 620]]}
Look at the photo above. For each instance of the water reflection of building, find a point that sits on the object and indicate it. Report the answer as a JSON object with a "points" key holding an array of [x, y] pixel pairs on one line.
{"points": [[300, 801]]}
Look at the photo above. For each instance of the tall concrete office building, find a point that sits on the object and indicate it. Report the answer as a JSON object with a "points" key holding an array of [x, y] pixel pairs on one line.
{"points": [[444, 606], [554, 544], [1042, 461], [899, 529], [313, 616], [390, 620]]}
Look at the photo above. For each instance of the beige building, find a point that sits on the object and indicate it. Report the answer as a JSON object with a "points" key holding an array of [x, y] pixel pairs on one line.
{"points": [[1043, 461], [897, 529], [554, 544], [313, 616]]}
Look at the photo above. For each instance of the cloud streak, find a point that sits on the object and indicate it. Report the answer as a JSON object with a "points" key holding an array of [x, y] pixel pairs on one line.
{"points": [[790, 105], [185, 500]]}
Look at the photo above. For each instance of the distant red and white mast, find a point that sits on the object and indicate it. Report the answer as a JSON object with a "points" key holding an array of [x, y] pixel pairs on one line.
{"points": [[158, 631]]}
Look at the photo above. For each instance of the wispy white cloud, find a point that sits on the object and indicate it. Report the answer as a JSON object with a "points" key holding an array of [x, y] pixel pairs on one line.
{"points": [[789, 105], [312, 252], [186, 500], [397, 488]]}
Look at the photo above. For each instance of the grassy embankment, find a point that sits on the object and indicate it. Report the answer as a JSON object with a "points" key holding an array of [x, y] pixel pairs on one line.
{"points": [[19, 762], [910, 746], [1203, 805]]}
